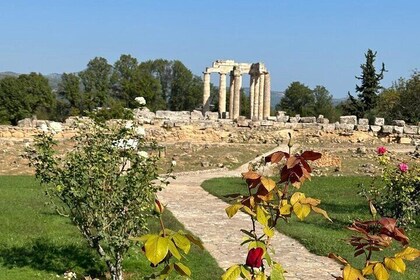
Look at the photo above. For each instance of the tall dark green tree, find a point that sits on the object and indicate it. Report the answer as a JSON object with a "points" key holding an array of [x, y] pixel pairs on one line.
{"points": [[368, 89], [96, 82], [298, 99], [69, 90], [323, 103]]}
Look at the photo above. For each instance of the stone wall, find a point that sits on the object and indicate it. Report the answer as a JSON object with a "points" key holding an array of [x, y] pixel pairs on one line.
{"points": [[398, 131]]}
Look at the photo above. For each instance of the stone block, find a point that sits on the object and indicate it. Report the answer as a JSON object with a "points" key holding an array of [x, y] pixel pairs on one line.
{"points": [[348, 120], [362, 127], [197, 115], [55, 127], [411, 129], [266, 123], [294, 125], [281, 114], [308, 120], [344, 126], [363, 121], [387, 129], [398, 129], [328, 127], [168, 124], [242, 121], [214, 116], [398, 122], [311, 125], [173, 115], [293, 120], [375, 128], [322, 119], [404, 140], [272, 118], [282, 118], [379, 121], [27, 122]]}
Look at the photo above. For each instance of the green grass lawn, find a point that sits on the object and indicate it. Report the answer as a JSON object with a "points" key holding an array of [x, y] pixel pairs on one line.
{"points": [[339, 198], [36, 243]]}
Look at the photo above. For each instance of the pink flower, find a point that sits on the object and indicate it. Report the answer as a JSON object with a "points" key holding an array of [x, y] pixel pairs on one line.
{"points": [[403, 167], [381, 150]]}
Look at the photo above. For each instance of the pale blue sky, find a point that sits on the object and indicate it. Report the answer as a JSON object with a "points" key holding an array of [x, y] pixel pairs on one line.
{"points": [[315, 42]]}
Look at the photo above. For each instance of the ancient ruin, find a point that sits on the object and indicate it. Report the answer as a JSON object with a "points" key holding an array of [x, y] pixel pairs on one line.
{"points": [[259, 89]]}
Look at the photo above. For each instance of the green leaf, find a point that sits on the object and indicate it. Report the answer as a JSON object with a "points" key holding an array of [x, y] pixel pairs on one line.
{"points": [[142, 238], [182, 269], [277, 272], [182, 242], [232, 273], [255, 244], [156, 249], [245, 273], [261, 216], [249, 211], [233, 209], [174, 251], [164, 274], [268, 231]]}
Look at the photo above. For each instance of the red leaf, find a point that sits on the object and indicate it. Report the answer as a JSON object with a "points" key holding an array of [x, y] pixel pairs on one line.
{"points": [[275, 157], [310, 155]]}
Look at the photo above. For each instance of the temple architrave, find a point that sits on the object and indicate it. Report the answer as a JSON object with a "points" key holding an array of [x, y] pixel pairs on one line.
{"points": [[259, 88]]}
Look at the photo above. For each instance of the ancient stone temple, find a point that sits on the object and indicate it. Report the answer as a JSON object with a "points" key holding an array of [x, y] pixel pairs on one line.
{"points": [[259, 88]]}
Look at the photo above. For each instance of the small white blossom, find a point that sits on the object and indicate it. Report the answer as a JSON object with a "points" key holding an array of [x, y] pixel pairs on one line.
{"points": [[140, 100], [173, 163], [143, 154], [129, 124], [70, 275]]}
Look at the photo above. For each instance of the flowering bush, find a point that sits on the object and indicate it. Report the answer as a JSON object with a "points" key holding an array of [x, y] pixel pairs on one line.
{"points": [[396, 193]]}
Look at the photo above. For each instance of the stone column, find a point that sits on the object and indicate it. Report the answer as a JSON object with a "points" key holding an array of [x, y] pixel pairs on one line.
{"points": [[237, 93], [206, 92], [267, 96], [231, 94], [256, 96], [222, 96], [251, 95], [261, 98]]}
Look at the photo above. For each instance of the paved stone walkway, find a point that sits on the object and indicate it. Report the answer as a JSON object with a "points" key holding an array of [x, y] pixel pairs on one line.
{"points": [[204, 215]]}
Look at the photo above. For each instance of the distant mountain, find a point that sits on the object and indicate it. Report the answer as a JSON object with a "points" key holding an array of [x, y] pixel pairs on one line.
{"points": [[54, 79], [337, 101]]}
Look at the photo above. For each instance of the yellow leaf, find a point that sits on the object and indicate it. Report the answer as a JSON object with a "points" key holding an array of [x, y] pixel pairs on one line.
{"points": [[182, 242], [233, 209], [368, 270], [249, 211], [322, 212], [268, 231], [301, 210], [408, 254], [268, 183], [277, 272], [311, 201], [255, 244], [142, 238], [246, 273], [297, 196], [380, 272], [261, 276], [261, 216], [350, 273], [396, 264], [232, 273], [182, 269], [285, 209], [194, 240], [156, 249], [172, 248]]}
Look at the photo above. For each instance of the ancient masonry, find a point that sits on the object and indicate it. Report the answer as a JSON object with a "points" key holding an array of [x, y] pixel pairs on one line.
{"points": [[259, 89]]}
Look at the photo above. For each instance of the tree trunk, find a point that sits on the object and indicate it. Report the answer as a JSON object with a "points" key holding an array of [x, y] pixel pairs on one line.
{"points": [[116, 269]]}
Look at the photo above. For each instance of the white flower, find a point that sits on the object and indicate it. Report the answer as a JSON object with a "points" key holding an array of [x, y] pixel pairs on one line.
{"points": [[173, 163], [140, 131], [129, 124], [140, 100], [143, 154]]}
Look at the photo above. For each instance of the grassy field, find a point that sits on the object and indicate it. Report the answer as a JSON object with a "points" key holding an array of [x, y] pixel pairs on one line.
{"points": [[35, 243], [339, 198]]}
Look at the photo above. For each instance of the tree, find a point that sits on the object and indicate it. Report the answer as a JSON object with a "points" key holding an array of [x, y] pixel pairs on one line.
{"points": [[24, 97], [323, 103], [69, 89], [410, 99], [105, 185], [297, 99], [370, 85], [96, 82]]}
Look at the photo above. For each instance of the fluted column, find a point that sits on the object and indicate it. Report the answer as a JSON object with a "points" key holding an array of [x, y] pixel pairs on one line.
{"points": [[206, 92], [261, 98], [231, 94], [251, 95], [267, 96], [256, 95], [237, 93], [222, 95]]}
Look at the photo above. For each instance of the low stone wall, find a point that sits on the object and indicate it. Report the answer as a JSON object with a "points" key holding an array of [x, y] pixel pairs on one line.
{"points": [[170, 120]]}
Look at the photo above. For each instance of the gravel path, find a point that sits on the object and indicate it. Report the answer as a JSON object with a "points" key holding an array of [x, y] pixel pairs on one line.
{"points": [[204, 215]]}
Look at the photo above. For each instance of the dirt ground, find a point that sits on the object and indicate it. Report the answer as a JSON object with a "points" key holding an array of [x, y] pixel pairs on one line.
{"points": [[342, 155]]}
